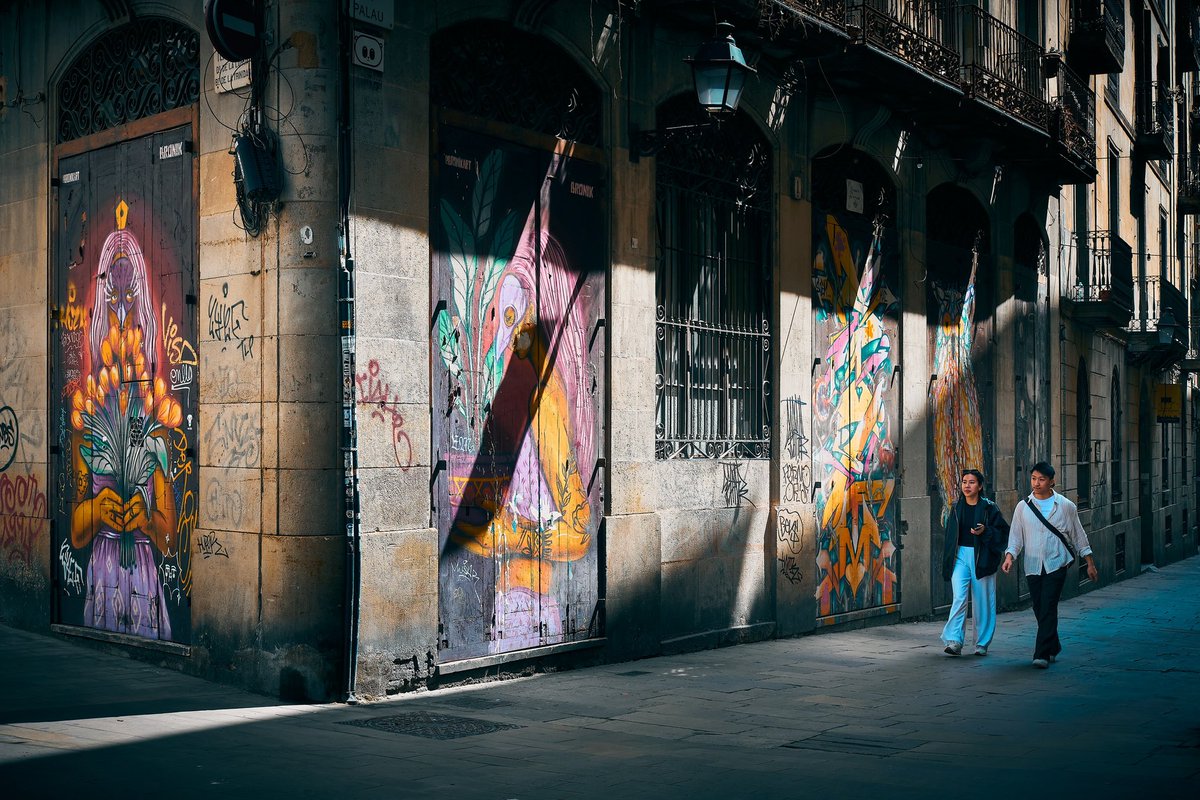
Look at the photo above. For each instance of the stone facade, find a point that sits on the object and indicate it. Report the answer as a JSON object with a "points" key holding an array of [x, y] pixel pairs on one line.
{"points": [[430, 421]]}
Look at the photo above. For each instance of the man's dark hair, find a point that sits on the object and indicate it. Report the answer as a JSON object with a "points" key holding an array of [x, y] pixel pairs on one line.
{"points": [[978, 475], [1044, 468]]}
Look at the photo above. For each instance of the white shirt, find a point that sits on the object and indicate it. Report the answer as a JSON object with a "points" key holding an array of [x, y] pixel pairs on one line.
{"points": [[1044, 552]]}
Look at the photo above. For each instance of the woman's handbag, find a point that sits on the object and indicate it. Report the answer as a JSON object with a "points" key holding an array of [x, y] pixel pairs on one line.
{"points": [[1075, 559]]}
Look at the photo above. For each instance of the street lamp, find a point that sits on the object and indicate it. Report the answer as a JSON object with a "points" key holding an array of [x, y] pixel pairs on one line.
{"points": [[719, 72]]}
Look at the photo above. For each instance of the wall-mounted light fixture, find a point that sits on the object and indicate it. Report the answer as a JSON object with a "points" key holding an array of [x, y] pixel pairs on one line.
{"points": [[719, 72]]}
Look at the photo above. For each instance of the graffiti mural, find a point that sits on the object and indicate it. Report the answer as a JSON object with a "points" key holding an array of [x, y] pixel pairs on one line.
{"points": [[855, 408], [126, 482], [516, 369], [957, 432]]}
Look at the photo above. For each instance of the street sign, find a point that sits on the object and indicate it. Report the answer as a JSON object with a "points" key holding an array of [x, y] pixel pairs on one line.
{"points": [[368, 51], [381, 13], [1168, 402], [233, 27], [229, 75]]}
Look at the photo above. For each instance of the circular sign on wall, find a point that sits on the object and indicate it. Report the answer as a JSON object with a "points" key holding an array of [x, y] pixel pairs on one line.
{"points": [[233, 27]]}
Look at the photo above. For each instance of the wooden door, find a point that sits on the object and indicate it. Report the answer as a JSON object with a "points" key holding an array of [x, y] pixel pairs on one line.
{"points": [[123, 386]]}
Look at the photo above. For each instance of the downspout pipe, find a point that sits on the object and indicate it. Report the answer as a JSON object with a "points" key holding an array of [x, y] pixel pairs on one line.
{"points": [[349, 437]]}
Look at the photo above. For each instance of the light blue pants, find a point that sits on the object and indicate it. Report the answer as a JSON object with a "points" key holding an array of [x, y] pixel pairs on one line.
{"points": [[983, 601]]}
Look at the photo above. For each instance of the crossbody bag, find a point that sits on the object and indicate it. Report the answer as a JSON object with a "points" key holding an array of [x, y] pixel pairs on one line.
{"points": [[1037, 512]]}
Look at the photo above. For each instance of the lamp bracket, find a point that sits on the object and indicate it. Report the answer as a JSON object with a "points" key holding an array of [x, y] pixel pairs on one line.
{"points": [[645, 143]]}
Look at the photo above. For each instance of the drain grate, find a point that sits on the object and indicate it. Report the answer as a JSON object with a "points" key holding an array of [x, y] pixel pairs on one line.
{"points": [[477, 702], [430, 725], [858, 745], [634, 672]]}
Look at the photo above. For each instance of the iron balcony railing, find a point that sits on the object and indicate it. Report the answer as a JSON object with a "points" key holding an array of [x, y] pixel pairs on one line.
{"points": [[832, 11], [1098, 35], [1155, 119], [1105, 271], [1161, 308], [1075, 116], [1003, 67], [922, 33]]}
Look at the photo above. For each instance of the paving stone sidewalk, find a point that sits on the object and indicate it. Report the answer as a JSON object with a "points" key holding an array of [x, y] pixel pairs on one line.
{"points": [[878, 712]]}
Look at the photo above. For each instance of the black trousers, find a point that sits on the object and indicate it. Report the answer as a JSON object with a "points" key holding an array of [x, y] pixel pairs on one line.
{"points": [[1044, 592]]}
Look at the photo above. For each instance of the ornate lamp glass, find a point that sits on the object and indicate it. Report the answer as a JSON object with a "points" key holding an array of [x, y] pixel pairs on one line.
{"points": [[719, 71]]}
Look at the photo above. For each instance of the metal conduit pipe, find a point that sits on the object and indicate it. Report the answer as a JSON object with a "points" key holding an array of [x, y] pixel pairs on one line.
{"points": [[346, 286]]}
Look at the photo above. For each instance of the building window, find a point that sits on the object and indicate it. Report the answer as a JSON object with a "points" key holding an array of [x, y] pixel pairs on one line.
{"points": [[1083, 436], [1164, 262], [1119, 552], [1114, 189], [1165, 437], [1117, 435], [713, 224]]}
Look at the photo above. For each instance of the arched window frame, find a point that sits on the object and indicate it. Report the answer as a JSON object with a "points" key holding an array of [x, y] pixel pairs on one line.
{"points": [[1083, 433], [146, 67]]}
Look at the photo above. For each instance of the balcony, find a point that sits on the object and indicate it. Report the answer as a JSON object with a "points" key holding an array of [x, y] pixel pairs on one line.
{"points": [[1002, 68], [1187, 54], [1158, 336], [1155, 120], [921, 35], [1102, 295], [1097, 43], [1073, 128], [1189, 183], [831, 11]]}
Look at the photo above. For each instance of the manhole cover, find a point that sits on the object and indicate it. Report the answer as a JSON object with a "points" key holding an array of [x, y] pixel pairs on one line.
{"points": [[479, 702], [431, 726], [859, 745]]}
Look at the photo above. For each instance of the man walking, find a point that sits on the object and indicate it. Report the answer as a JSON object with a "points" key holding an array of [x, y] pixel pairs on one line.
{"points": [[1046, 526]]}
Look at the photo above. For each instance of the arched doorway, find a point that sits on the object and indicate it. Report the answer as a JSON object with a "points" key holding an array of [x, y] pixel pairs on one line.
{"points": [[519, 220], [959, 306], [856, 403], [1031, 356], [123, 345]]}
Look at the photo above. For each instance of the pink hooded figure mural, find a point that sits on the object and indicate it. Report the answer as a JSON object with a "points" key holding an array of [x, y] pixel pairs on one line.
{"points": [[518, 488], [120, 416]]}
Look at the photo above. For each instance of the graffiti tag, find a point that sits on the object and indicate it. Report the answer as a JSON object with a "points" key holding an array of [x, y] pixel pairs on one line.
{"points": [[734, 489], [225, 322], [72, 573], [373, 391], [23, 509], [10, 434], [179, 350], [797, 442], [209, 546]]}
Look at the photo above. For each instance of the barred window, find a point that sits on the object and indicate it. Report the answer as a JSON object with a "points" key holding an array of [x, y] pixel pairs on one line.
{"points": [[713, 222]]}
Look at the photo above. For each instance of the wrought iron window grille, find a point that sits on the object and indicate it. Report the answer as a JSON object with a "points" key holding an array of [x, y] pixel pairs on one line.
{"points": [[135, 71], [713, 328]]}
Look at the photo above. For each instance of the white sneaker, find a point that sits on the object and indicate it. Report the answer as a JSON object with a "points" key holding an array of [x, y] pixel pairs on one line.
{"points": [[981, 649], [953, 649], [1041, 663]]}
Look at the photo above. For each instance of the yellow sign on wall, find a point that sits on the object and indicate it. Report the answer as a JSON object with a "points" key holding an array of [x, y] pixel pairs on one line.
{"points": [[1168, 402]]}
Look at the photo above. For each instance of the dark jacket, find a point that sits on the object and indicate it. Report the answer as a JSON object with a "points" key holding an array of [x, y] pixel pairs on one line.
{"points": [[989, 545]]}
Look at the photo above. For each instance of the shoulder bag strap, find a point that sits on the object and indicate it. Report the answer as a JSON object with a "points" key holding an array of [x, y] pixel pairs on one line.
{"points": [[1038, 513]]}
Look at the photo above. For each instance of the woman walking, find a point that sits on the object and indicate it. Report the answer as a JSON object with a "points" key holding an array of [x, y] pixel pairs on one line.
{"points": [[976, 535]]}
